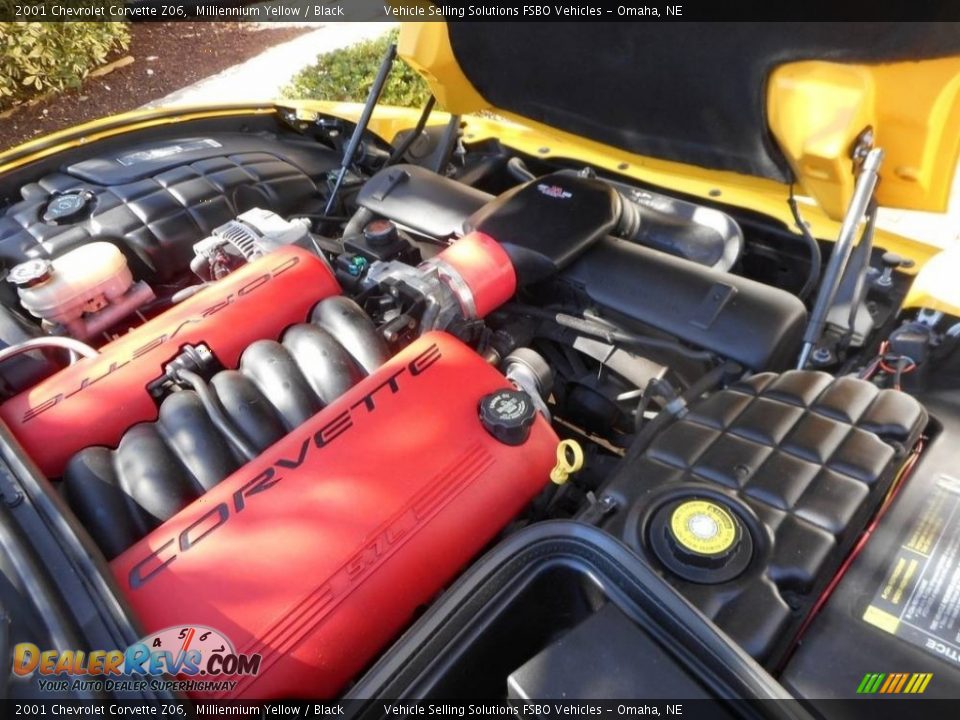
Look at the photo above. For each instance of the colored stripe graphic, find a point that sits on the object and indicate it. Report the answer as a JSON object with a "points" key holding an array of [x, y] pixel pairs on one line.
{"points": [[894, 683], [891, 682]]}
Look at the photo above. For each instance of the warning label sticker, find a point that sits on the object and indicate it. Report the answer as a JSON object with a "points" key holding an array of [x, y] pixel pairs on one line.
{"points": [[919, 601]]}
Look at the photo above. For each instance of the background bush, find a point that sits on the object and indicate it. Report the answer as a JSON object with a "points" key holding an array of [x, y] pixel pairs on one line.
{"points": [[347, 74], [38, 57]]}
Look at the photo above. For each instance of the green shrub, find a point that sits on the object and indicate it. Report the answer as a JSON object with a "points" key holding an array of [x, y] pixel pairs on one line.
{"points": [[346, 75], [39, 57]]}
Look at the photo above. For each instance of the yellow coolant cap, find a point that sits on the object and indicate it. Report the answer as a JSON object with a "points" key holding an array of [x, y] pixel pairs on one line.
{"points": [[703, 527]]}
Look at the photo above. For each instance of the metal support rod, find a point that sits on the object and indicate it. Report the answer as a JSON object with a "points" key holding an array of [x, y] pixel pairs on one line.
{"points": [[840, 257], [373, 97], [52, 341]]}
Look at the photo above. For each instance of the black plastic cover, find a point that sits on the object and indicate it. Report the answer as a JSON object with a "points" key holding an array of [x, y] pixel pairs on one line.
{"points": [[21, 371], [421, 200], [547, 223], [605, 656], [538, 586], [802, 459], [755, 324]]}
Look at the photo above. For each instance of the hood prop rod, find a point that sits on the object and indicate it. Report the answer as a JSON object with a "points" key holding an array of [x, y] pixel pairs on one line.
{"points": [[840, 257], [373, 97]]}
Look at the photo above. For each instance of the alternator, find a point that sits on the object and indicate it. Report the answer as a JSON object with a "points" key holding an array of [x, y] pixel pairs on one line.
{"points": [[248, 236]]}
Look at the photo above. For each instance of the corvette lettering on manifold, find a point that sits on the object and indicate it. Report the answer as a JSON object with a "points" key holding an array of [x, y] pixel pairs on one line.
{"points": [[162, 339], [317, 439]]}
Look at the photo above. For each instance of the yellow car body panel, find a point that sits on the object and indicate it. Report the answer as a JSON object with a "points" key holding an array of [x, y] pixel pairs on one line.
{"points": [[937, 285], [817, 110]]}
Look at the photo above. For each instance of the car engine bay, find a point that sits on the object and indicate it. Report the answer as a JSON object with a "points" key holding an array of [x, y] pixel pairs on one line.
{"points": [[310, 404]]}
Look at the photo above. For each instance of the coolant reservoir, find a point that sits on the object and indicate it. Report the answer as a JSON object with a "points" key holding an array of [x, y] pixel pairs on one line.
{"points": [[83, 280]]}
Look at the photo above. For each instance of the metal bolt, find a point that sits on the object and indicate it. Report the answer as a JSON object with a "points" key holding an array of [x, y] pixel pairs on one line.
{"points": [[886, 279]]}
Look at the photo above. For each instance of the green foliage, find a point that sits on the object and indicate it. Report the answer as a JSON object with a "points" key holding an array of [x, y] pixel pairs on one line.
{"points": [[39, 57], [346, 75]]}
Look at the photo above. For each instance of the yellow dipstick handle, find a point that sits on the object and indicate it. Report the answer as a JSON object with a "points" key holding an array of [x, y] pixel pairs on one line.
{"points": [[569, 460]]}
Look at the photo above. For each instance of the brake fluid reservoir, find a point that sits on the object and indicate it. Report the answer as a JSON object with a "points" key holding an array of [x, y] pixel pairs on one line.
{"points": [[83, 280]]}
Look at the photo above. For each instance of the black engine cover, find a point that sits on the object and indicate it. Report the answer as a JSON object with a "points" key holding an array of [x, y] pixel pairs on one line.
{"points": [[797, 463], [757, 325], [156, 200]]}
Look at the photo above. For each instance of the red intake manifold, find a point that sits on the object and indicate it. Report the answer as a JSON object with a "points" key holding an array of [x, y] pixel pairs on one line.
{"points": [[316, 554], [95, 400]]}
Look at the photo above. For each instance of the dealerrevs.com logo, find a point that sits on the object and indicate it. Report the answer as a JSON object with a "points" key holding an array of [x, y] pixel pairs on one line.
{"points": [[201, 658]]}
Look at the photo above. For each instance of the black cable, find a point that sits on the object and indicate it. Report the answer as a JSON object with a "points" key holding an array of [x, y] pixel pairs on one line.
{"points": [[676, 407], [816, 257], [656, 388], [408, 141], [212, 405], [357, 222], [898, 375]]}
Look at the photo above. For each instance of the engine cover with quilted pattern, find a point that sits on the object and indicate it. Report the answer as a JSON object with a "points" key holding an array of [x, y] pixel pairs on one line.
{"points": [[801, 460], [156, 209]]}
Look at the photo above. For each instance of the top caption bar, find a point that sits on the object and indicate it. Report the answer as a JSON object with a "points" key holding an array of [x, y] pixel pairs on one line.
{"points": [[325, 11]]}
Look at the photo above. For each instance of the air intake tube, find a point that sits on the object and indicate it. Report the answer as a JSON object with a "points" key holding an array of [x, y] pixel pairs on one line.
{"points": [[548, 223], [700, 234]]}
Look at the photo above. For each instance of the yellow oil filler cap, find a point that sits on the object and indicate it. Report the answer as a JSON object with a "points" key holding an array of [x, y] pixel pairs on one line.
{"points": [[569, 461]]}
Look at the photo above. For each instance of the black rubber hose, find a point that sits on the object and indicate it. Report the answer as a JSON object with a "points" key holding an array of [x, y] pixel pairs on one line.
{"points": [[816, 257], [408, 141], [705, 383], [357, 222], [656, 388], [611, 335], [217, 415]]}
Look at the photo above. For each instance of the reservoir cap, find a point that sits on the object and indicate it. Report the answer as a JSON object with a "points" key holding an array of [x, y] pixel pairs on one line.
{"points": [[508, 415], [701, 540]]}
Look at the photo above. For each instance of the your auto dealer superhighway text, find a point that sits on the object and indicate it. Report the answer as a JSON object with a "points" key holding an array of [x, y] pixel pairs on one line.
{"points": [[164, 710]]}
